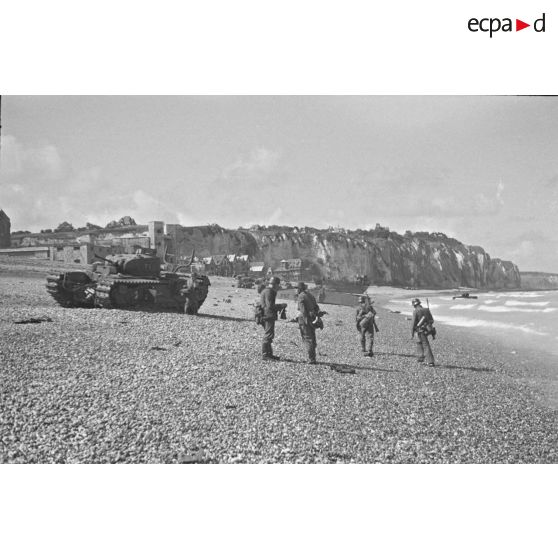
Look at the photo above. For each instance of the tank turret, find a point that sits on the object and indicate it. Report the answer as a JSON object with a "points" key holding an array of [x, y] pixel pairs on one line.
{"points": [[136, 265]]}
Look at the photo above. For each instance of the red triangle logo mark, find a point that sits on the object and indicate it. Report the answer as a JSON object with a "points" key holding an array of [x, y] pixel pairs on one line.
{"points": [[519, 25]]}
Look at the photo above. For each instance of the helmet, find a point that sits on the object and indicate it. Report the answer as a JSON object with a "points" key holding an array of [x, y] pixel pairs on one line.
{"points": [[275, 281], [362, 299], [415, 302], [301, 286]]}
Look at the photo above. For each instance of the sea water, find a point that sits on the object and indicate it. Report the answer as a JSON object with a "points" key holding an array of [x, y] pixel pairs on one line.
{"points": [[522, 319]]}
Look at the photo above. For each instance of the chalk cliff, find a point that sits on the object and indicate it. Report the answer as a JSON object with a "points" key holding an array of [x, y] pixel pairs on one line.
{"points": [[422, 260]]}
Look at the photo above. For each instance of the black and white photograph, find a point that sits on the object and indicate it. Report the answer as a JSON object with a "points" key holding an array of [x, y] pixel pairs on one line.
{"points": [[279, 279]]}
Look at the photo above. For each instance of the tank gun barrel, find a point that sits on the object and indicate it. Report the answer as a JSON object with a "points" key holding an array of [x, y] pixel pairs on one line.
{"points": [[104, 259]]}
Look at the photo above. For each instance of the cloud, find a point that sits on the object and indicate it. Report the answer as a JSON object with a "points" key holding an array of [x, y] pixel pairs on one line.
{"points": [[10, 161], [460, 203], [481, 204], [249, 189], [40, 191], [532, 236], [500, 192], [45, 160], [274, 218], [524, 251], [145, 207], [422, 192], [259, 162], [18, 160], [552, 182], [530, 250]]}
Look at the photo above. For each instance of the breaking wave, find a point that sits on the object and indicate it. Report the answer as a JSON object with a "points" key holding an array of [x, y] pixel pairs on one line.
{"points": [[523, 303], [461, 321], [518, 295], [501, 309]]}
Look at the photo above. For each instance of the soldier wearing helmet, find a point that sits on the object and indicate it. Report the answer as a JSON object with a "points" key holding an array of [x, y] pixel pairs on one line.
{"points": [[308, 319], [269, 317], [422, 326], [366, 324]]}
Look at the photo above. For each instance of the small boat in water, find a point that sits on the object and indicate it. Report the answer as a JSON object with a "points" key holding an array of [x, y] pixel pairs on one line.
{"points": [[464, 295]]}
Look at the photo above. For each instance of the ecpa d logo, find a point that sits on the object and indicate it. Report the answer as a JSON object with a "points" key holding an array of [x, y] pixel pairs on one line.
{"points": [[492, 25]]}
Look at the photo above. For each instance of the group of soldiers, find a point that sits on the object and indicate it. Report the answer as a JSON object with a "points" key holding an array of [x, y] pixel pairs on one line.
{"points": [[309, 319]]}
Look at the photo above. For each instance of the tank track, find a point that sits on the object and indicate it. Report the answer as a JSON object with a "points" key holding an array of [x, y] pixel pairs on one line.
{"points": [[54, 288], [78, 289], [105, 286], [69, 291]]}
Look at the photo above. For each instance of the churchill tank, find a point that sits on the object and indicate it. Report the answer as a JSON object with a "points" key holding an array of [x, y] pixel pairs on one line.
{"points": [[129, 281]]}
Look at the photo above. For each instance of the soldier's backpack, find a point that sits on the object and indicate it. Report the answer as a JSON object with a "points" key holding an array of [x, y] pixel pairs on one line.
{"points": [[366, 321], [258, 313]]}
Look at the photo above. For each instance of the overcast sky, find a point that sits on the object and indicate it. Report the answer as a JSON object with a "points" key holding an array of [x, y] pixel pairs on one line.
{"points": [[481, 169]]}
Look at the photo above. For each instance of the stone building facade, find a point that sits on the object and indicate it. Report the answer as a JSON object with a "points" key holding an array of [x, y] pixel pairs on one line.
{"points": [[5, 226]]}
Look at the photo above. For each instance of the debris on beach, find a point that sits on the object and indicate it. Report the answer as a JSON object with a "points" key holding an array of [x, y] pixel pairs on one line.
{"points": [[342, 369], [192, 458], [34, 320]]}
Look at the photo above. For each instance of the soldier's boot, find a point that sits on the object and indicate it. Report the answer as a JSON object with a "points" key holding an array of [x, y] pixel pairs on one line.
{"points": [[266, 349], [267, 352], [429, 355], [312, 354], [271, 355], [371, 351]]}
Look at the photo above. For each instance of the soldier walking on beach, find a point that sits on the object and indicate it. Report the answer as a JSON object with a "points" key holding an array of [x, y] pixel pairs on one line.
{"points": [[422, 325], [308, 313], [366, 325], [269, 317]]}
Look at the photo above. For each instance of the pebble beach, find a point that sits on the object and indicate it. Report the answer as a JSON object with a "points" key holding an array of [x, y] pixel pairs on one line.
{"points": [[119, 386]]}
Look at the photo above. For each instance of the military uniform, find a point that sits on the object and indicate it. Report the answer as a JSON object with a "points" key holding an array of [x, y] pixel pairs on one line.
{"points": [[365, 325], [308, 310], [270, 309], [422, 318]]}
